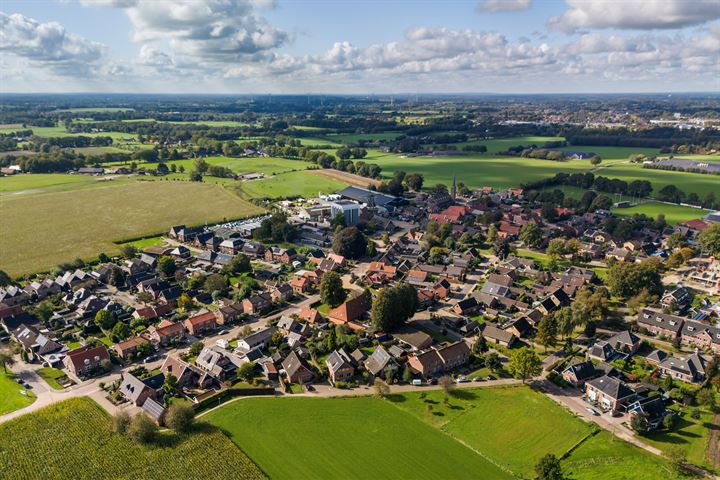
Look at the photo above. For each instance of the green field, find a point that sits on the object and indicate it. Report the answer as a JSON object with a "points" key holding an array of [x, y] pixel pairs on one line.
{"points": [[47, 182], [94, 109], [45, 229], [605, 457], [509, 427], [292, 184], [10, 397], [73, 439], [699, 183], [51, 376], [368, 137], [673, 213], [360, 437]]}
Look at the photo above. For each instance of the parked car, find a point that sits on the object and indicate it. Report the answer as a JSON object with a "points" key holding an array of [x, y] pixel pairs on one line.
{"points": [[150, 358], [490, 377], [462, 379], [478, 379], [28, 386], [417, 382], [592, 411]]}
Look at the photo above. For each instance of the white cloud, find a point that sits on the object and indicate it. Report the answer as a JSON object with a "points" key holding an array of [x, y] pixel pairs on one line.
{"points": [[493, 6], [635, 14], [48, 44]]}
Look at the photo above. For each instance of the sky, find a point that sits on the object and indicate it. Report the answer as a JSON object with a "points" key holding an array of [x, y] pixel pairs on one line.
{"points": [[360, 46]]}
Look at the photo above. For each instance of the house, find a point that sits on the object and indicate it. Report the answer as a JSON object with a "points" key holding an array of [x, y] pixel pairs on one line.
{"points": [[440, 360], [127, 349], [519, 327], [84, 361], [466, 306], [340, 366], [34, 342], [416, 339], [379, 361], [610, 393], [625, 342], [658, 323], [619, 254], [228, 313], [188, 376], [454, 355], [166, 332], [215, 363], [701, 335], [257, 303], [577, 374], [442, 289], [134, 389], [495, 335], [259, 339], [201, 323], [351, 311], [602, 351], [677, 298], [687, 368], [231, 246], [281, 255], [296, 369], [154, 410], [282, 292]]}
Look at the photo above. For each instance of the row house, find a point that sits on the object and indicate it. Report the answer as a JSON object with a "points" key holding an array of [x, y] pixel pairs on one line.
{"points": [[438, 360]]}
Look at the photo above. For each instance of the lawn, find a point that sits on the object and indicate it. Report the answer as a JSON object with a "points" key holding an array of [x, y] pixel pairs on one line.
{"points": [[157, 241], [357, 437], [43, 230], [10, 397], [513, 426], [51, 376], [291, 184], [604, 456], [699, 183], [673, 213], [73, 439]]}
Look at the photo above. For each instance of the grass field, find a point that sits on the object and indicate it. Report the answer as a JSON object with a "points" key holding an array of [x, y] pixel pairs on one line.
{"points": [[687, 182], [73, 439], [361, 437], [45, 229], [46, 182], [356, 137], [604, 457], [292, 184], [673, 213], [10, 397]]}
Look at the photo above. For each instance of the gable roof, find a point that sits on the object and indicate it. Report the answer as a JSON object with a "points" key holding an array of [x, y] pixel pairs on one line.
{"points": [[612, 387]]}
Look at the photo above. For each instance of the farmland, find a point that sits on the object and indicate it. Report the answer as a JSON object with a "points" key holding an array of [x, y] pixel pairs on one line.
{"points": [[73, 439], [510, 428], [10, 397], [673, 213], [291, 184], [365, 437], [82, 223]]}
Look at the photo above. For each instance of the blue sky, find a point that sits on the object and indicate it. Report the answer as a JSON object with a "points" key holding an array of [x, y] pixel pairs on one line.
{"points": [[258, 46]]}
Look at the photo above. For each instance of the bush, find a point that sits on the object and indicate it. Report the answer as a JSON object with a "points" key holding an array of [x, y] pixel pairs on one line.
{"points": [[179, 417], [141, 429], [121, 422]]}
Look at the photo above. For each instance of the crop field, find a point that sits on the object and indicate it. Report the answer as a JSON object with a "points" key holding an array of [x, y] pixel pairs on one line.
{"points": [[345, 177], [292, 184], [673, 213], [48, 182], [10, 397], [604, 456], [702, 184], [360, 437], [513, 426], [73, 439], [43, 230]]}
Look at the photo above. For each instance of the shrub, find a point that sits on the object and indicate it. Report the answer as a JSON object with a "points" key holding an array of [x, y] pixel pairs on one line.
{"points": [[179, 417], [141, 429], [121, 422]]}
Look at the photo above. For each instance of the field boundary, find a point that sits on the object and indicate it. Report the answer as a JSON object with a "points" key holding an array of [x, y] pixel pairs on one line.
{"points": [[350, 178]]}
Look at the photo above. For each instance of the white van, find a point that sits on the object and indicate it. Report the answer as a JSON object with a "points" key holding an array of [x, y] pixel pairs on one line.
{"points": [[417, 382]]}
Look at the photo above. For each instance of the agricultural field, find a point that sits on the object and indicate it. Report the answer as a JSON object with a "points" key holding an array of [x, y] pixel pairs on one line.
{"points": [[702, 184], [344, 138], [10, 397], [94, 109], [603, 456], [345, 177], [46, 182], [292, 184], [365, 437], [85, 222], [73, 439], [674, 214]]}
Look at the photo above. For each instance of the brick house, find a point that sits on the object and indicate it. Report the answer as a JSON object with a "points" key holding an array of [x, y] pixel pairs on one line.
{"points": [[659, 323], [257, 303], [201, 323], [340, 366], [609, 393], [128, 348], [84, 361], [166, 331]]}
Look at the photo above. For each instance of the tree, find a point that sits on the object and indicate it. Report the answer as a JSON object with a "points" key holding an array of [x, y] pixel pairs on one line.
{"points": [[627, 279], [589, 306], [408, 300], [120, 331], [240, 263], [556, 248], [501, 248], [530, 234], [332, 340], [565, 321], [196, 176], [710, 239], [121, 422], [350, 242], [215, 283], [640, 424], [524, 363], [547, 332], [393, 306], [338, 221], [331, 289], [678, 459], [407, 375], [706, 397], [381, 388], [5, 279], [128, 251], [492, 361], [141, 429], [171, 386], [166, 265], [595, 160], [105, 319], [185, 302], [414, 181], [7, 359], [669, 421], [447, 383], [145, 297], [196, 348], [180, 416], [200, 165], [549, 468]]}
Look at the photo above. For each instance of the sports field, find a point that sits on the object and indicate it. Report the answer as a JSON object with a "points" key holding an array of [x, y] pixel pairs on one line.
{"points": [[10, 397], [73, 439], [42, 230], [360, 437]]}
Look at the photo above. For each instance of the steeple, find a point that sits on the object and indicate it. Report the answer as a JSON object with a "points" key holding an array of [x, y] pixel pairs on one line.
{"points": [[453, 192]]}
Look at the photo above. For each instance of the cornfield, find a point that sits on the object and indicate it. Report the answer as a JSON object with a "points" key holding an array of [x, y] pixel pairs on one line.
{"points": [[74, 440]]}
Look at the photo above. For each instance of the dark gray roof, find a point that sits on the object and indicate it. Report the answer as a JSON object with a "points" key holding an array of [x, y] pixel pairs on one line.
{"points": [[153, 409], [612, 387], [657, 319], [363, 195]]}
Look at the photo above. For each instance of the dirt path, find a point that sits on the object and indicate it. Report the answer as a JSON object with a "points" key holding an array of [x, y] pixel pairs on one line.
{"points": [[349, 178]]}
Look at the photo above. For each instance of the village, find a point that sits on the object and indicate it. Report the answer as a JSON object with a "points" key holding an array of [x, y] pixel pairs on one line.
{"points": [[361, 290]]}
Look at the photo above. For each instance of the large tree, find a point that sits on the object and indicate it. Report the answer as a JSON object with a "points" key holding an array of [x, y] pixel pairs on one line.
{"points": [[547, 332], [350, 242], [331, 289], [549, 468], [627, 279], [524, 363], [5, 279], [710, 239], [531, 235], [393, 306], [166, 265], [179, 416]]}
